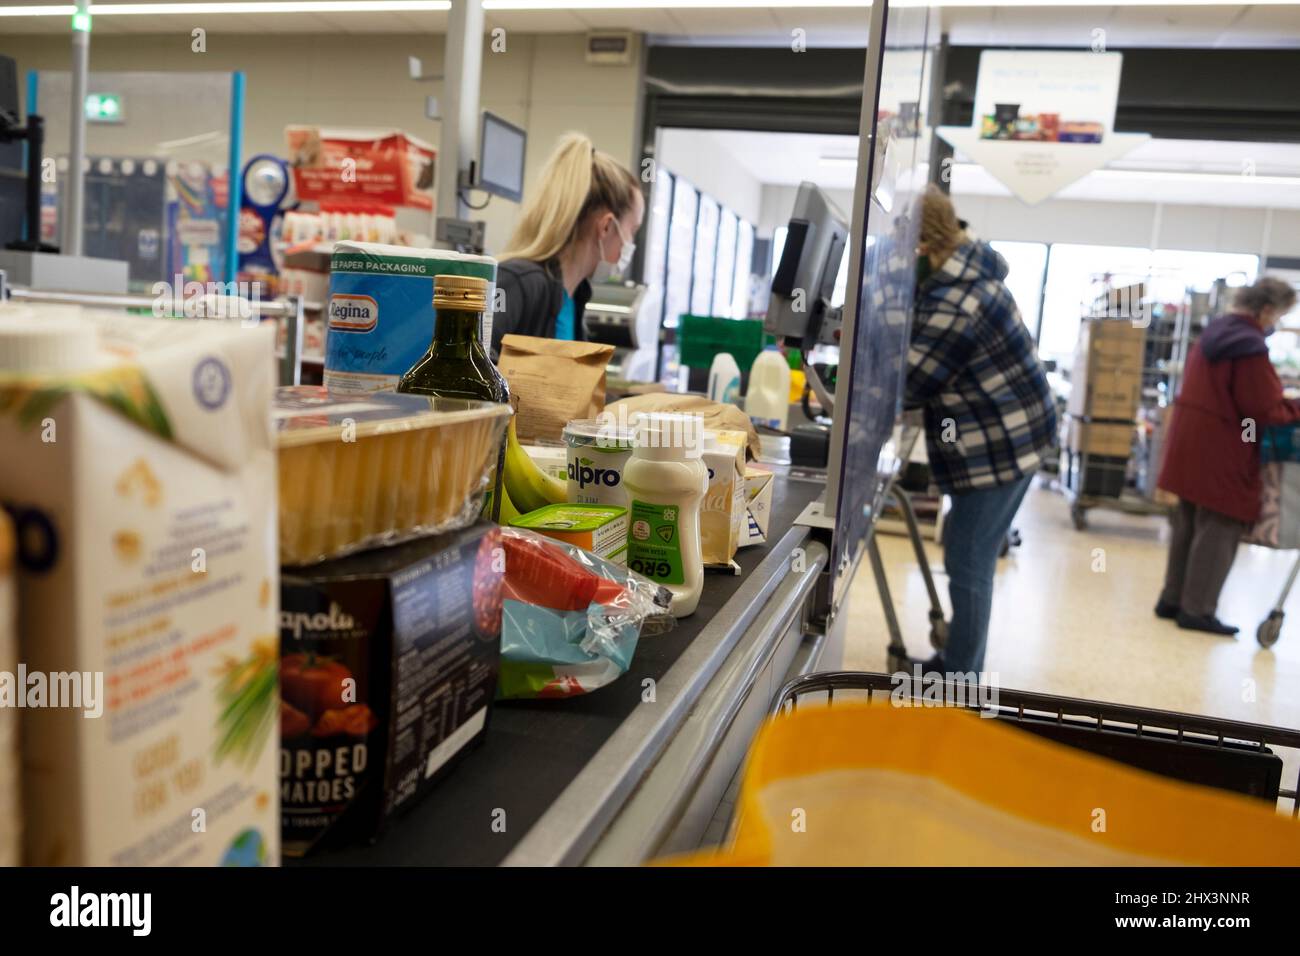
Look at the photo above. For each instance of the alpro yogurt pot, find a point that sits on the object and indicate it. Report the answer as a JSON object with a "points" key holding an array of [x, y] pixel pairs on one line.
{"points": [[598, 449]]}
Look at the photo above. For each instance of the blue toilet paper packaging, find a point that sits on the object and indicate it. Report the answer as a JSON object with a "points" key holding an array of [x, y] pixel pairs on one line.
{"points": [[380, 316]]}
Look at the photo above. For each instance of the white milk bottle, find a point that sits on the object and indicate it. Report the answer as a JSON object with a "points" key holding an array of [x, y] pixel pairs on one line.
{"points": [[724, 379], [767, 402], [666, 481]]}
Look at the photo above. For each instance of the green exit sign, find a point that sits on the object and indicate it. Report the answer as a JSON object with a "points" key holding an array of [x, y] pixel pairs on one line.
{"points": [[104, 108]]}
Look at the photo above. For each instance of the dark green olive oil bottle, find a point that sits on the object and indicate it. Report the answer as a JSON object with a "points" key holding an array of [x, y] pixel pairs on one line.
{"points": [[456, 365]]}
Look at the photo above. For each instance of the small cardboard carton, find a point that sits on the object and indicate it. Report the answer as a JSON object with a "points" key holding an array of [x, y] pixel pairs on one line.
{"points": [[722, 513], [758, 505], [600, 529]]}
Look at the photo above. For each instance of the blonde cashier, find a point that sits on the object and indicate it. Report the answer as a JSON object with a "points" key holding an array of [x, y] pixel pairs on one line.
{"points": [[577, 226]]}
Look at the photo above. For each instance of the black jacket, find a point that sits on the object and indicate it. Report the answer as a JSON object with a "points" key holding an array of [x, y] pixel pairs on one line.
{"points": [[531, 296]]}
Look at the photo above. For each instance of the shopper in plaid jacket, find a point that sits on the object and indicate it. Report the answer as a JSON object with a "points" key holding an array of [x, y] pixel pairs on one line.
{"points": [[990, 418]]}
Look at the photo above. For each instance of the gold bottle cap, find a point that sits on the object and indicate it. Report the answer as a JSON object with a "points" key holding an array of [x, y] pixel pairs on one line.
{"points": [[460, 292]]}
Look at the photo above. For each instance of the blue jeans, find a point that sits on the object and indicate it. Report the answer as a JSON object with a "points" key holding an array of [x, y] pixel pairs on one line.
{"points": [[973, 536]]}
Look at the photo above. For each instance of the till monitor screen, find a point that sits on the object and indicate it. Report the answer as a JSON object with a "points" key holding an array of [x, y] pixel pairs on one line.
{"points": [[501, 158]]}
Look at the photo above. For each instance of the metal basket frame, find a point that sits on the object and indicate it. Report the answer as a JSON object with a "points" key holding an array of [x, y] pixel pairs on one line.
{"points": [[1171, 726]]}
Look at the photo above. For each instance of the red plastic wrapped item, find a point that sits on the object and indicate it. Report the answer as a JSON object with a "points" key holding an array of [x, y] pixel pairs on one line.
{"points": [[570, 619], [544, 576]]}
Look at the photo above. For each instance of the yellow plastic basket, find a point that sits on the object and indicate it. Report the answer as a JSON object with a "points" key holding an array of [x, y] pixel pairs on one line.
{"points": [[872, 785]]}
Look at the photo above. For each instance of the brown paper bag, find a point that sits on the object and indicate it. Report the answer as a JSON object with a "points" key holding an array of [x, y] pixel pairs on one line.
{"points": [[552, 383], [718, 416]]}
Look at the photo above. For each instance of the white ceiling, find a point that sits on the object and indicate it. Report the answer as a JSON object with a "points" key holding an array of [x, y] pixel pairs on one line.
{"points": [[1045, 23], [1196, 172], [784, 159], [1063, 25]]}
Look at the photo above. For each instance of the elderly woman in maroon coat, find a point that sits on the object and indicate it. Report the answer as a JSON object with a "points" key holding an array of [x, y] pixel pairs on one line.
{"points": [[1230, 393]]}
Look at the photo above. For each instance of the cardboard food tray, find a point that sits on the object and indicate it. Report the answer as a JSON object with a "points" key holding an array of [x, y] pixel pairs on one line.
{"points": [[357, 472]]}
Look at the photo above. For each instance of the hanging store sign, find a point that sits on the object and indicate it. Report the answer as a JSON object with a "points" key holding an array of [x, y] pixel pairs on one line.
{"points": [[1044, 119]]}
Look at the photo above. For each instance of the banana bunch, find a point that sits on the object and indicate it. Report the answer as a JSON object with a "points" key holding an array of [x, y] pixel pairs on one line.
{"points": [[525, 487]]}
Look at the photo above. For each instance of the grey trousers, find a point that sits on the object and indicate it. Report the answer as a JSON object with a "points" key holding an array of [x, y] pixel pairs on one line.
{"points": [[1201, 550]]}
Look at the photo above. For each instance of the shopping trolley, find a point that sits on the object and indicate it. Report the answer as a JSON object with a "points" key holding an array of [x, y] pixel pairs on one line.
{"points": [[1225, 754], [894, 492], [1270, 629], [1278, 528]]}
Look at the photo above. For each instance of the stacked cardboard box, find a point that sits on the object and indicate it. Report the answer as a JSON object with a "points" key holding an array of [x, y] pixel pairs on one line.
{"points": [[1106, 387], [1096, 456], [1112, 439], [1106, 380]]}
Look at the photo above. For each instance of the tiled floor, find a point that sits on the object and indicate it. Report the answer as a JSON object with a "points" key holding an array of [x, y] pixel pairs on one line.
{"points": [[1060, 627]]}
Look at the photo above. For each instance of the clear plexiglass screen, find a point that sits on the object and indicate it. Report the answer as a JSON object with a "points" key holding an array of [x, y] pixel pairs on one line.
{"points": [[879, 302]]}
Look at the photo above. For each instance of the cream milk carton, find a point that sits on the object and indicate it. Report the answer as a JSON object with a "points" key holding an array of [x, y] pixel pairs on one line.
{"points": [[139, 471], [723, 511]]}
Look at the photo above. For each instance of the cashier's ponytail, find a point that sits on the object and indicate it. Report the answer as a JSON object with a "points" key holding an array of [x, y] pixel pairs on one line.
{"points": [[577, 181]]}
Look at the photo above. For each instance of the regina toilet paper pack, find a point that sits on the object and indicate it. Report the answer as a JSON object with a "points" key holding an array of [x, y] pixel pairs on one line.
{"points": [[380, 316]]}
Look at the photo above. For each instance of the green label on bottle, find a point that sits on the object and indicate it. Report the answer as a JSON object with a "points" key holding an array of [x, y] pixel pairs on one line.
{"points": [[654, 544]]}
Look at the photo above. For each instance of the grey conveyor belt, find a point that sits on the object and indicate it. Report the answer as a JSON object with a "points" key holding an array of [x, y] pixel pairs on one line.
{"points": [[550, 775]]}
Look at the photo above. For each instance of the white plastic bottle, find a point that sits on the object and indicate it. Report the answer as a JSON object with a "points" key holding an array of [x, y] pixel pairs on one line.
{"points": [[767, 402], [666, 481], [724, 379]]}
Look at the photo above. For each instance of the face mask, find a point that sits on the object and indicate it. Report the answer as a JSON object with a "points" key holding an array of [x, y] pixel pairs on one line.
{"points": [[608, 270]]}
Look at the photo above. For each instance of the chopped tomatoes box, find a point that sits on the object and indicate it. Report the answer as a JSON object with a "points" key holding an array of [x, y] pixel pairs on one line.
{"points": [[389, 662]]}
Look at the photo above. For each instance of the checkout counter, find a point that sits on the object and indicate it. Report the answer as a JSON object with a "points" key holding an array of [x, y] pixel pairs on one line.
{"points": [[616, 315], [640, 768]]}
